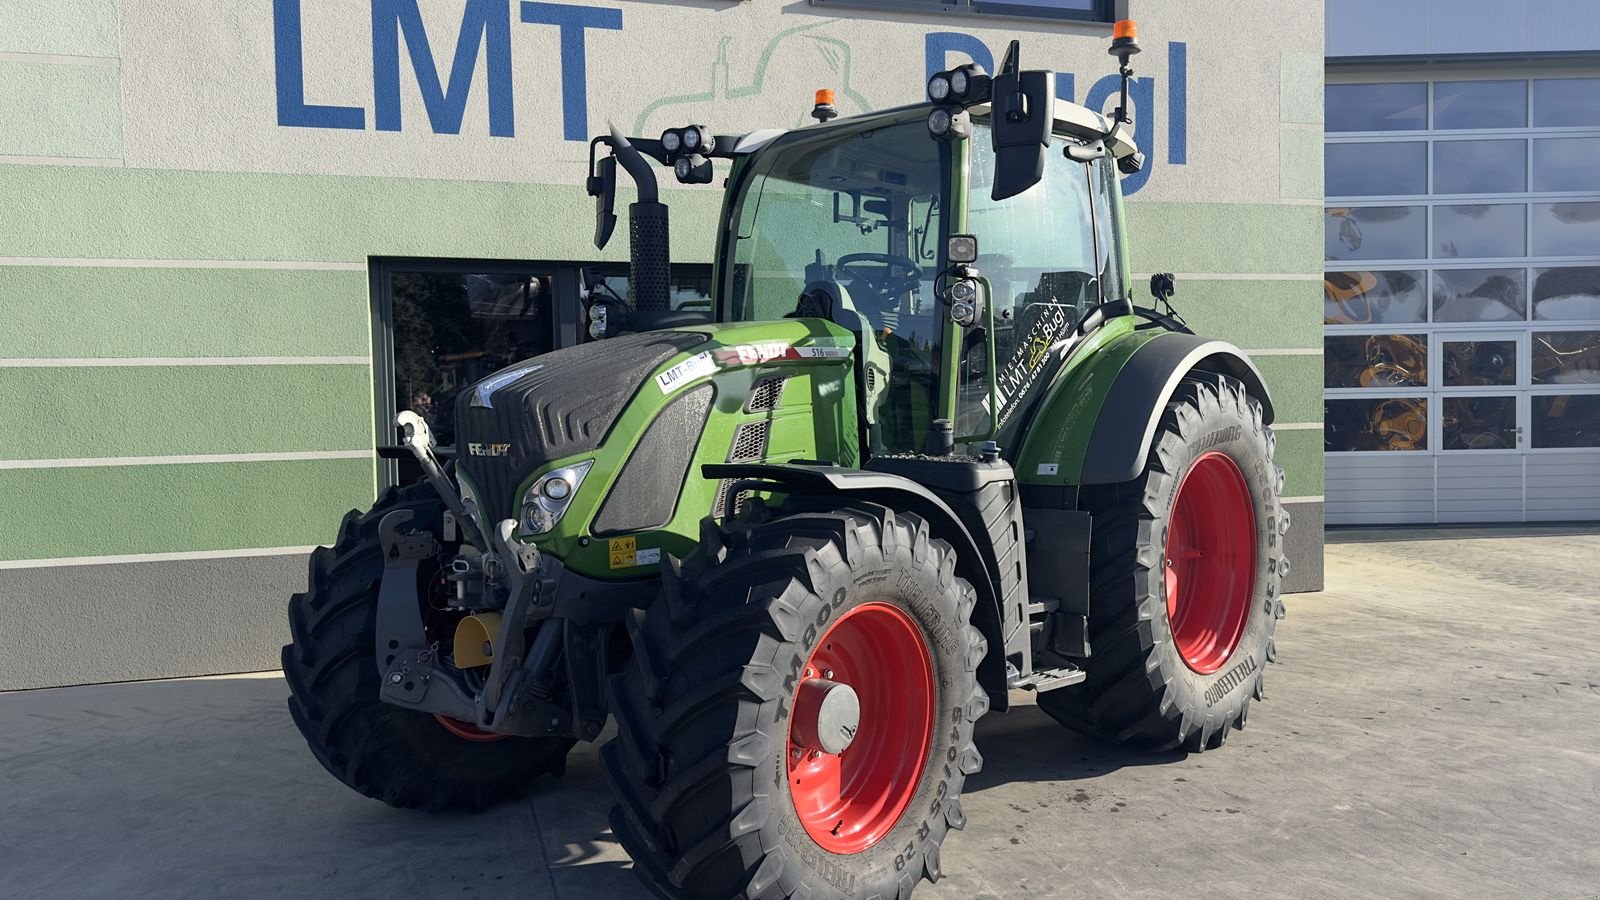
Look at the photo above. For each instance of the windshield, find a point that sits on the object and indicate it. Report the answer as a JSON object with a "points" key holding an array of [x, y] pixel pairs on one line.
{"points": [[846, 222]]}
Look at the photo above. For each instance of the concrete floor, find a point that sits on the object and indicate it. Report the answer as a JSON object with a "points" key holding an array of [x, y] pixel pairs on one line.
{"points": [[1433, 730]]}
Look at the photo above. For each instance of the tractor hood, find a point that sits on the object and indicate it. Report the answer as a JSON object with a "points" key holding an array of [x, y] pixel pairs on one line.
{"points": [[512, 423]]}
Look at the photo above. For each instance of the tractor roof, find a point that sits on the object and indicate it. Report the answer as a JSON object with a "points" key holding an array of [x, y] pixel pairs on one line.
{"points": [[1071, 119]]}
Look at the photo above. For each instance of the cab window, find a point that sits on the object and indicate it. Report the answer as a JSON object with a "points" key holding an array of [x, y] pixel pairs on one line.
{"points": [[1048, 255]]}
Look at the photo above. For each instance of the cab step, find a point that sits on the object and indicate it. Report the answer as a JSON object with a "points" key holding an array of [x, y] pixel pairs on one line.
{"points": [[1043, 680]]}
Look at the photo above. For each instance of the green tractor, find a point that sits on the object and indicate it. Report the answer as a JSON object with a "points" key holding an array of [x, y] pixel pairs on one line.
{"points": [[923, 451]]}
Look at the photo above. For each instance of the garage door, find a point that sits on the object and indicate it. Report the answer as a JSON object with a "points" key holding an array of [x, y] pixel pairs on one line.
{"points": [[1462, 299]]}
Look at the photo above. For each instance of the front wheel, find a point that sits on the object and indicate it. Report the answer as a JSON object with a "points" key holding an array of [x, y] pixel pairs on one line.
{"points": [[797, 719], [400, 756], [1186, 562]]}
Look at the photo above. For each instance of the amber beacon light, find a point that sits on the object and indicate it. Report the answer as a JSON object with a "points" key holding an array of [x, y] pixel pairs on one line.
{"points": [[822, 106]]}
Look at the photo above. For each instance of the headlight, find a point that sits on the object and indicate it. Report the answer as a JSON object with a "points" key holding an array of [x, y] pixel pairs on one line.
{"points": [[939, 120], [691, 138], [958, 82], [938, 88], [545, 502], [964, 291], [670, 141]]}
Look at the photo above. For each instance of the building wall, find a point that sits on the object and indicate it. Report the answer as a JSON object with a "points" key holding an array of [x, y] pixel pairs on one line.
{"points": [[193, 190]]}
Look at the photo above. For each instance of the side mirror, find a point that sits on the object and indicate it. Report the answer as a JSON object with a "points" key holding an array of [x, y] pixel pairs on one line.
{"points": [[1023, 111], [603, 187]]}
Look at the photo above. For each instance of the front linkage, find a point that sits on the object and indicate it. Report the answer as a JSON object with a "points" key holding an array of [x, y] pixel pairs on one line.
{"points": [[507, 590]]}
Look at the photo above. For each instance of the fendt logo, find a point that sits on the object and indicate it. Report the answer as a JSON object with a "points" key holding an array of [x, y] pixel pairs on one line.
{"points": [[488, 449]]}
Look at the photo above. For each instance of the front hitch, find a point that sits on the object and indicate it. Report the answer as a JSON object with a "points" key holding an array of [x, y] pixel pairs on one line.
{"points": [[515, 696]]}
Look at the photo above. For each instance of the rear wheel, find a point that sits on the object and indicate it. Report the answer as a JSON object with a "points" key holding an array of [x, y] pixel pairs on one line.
{"points": [[797, 719], [1186, 566], [400, 756]]}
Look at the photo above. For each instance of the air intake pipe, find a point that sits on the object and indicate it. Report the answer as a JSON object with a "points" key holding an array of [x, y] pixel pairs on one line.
{"points": [[649, 254]]}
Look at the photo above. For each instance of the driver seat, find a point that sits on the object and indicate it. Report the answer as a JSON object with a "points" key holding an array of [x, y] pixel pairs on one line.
{"points": [[828, 299]]}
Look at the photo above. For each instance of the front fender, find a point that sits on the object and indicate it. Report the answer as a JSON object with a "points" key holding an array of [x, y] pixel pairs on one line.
{"points": [[899, 492], [1097, 425]]}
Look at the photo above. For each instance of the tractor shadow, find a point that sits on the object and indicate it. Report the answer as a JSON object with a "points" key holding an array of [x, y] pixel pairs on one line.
{"points": [[1026, 745]]}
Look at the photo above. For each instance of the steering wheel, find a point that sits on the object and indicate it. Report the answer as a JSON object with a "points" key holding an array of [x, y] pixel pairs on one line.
{"points": [[882, 273]]}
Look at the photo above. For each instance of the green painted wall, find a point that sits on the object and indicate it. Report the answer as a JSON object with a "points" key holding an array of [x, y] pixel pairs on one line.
{"points": [[59, 27], [102, 311], [185, 410], [96, 511], [60, 110], [62, 211]]}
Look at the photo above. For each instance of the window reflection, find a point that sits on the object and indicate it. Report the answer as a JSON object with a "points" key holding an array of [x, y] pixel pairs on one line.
{"points": [[1374, 232], [1394, 423], [1480, 104], [1566, 420], [1566, 357], [1566, 164], [1375, 360], [1566, 229], [1481, 230], [1477, 295], [1569, 292], [1376, 169], [1475, 363], [1377, 298], [451, 329], [1478, 423], [1376, 107], [1563, 102], [1480, 167]]}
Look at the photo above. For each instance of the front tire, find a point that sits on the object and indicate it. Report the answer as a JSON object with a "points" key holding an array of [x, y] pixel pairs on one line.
{"points": [[1186, 562], [725, 783], [403, 757]]}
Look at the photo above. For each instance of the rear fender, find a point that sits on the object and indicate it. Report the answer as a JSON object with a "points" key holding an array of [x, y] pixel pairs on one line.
{"points": [[901, 493], [1098, 424]]}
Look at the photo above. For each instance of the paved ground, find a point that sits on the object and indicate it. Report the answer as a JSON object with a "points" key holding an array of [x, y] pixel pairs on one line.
{"points": [[1433, 730]]}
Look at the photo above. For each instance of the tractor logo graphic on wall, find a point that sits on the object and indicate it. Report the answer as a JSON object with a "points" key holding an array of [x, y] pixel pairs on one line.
{"points": [[794, 63]]}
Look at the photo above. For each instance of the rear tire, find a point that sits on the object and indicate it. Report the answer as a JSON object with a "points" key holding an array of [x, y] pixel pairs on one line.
{"points": [[713, 797], [403, 757], [1183, 607]]}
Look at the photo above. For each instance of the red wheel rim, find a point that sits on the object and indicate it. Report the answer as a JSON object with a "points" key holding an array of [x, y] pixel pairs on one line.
{"points": [[848, 801], [467, 731], [1210, 564]]}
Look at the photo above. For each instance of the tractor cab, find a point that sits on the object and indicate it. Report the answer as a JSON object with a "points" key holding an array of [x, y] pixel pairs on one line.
{"points": [[964, 241]]}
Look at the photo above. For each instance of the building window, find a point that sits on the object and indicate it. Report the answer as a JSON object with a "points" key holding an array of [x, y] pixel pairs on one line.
{"points": [[1082, 10], [440, 325]]}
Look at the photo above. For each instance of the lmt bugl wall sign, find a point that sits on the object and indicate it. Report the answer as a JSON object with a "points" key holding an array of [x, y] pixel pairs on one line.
{"points": [[403, 51]]}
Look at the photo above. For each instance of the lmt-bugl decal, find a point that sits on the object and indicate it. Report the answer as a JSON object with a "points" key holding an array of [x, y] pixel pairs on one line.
{"points": [[1028, 359]]}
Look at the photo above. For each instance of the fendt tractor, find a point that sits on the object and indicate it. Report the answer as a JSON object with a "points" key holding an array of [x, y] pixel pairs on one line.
{"points": [[922, 452]]}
